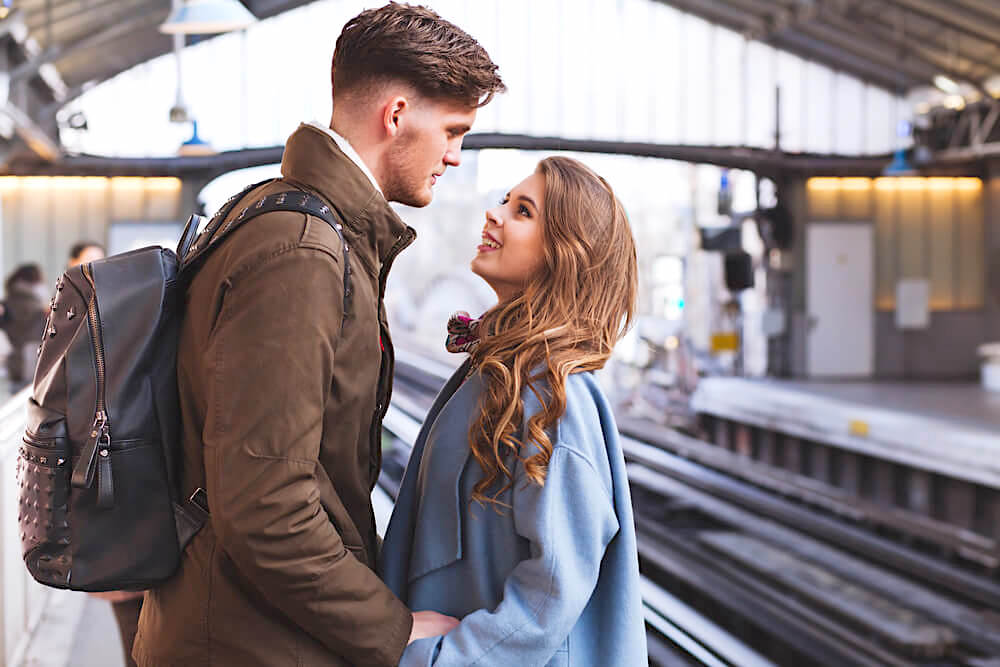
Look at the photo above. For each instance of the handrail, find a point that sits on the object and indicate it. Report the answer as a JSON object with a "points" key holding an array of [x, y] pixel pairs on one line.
{"points": [[22, 599]]}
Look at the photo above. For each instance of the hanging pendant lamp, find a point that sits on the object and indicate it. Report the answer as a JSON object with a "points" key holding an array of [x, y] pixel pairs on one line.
{"points": [[204, 17]]}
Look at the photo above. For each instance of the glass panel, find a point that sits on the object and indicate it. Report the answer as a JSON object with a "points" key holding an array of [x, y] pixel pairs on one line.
{"points": [[696, 90], [666, 75], [848, 128], [818, 84], [726, 105], [760, 101], [878, 137], [792, 103], [631, 68]]}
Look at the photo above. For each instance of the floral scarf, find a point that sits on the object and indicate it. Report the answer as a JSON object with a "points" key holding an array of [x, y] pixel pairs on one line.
{"points": [[463, 333]]}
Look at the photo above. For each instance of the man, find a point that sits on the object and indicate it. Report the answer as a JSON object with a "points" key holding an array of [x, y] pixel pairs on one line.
{"points": [[284, 380]]}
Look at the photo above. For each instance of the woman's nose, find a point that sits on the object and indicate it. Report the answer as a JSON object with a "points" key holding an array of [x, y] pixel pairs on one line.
{"points": [[493, 216]]}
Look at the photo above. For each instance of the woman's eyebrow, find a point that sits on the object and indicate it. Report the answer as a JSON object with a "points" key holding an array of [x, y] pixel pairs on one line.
{"points": [[529, 200]]}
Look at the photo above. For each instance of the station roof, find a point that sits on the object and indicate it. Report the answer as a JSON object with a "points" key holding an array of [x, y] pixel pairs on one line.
{"points": [[895, 44], [55, 48], [52, 50], [93, 40]]}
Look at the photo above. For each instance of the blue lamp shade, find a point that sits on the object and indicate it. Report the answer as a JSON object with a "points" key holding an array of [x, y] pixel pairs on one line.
{"points": [[195, 146], [205, 17]]}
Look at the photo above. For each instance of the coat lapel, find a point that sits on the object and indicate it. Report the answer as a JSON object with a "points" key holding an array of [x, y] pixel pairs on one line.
{"points": [[397, 551], [438, 536]]}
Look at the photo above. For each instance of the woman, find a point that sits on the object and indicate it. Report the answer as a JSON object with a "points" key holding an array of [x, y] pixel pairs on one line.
{"points": [[514, 513]]}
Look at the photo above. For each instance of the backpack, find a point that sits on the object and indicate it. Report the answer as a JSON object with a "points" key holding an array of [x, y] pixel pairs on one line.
{"points": [[100, 503]]}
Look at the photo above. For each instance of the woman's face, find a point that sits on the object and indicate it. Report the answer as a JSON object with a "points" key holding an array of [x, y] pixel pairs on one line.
{"points": [[510, 252]]}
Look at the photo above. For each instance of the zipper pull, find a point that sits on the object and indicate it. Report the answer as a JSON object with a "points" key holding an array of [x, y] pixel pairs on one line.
{"points": [[105, 484], [83, 473]]}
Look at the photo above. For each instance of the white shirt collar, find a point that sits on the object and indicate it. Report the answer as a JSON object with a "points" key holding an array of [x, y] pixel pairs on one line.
{"points": [[348, 150]]}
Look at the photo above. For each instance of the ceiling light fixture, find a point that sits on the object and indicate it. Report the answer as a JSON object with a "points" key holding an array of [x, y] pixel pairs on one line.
{"points": [[207, 17], [944, 84]]}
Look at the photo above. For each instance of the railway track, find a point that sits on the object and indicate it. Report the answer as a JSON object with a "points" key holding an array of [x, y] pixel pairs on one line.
{"points": [[736, 574]]}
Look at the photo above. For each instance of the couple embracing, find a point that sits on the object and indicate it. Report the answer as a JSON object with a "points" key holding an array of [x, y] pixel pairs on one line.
{"points": [[512, 540]]}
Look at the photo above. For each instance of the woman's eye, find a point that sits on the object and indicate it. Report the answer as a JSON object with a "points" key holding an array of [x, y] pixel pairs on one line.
{"points": [[523, 210], [504, 199]]}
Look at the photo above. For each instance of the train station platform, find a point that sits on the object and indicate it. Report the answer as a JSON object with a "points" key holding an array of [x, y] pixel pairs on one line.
{"points": [[948, 428]]}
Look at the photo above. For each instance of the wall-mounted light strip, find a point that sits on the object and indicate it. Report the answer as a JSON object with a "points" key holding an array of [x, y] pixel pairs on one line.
{"points": [[825, 183], [67, 183]]}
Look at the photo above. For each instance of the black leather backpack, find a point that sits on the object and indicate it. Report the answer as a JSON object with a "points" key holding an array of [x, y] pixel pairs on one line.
{"points": [[100, 507]]}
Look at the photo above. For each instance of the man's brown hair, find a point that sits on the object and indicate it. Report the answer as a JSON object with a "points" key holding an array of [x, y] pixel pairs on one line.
{"points": [[415, 45]]}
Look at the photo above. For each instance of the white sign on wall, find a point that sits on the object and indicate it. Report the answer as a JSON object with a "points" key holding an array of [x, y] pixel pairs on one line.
{"points": [[913, 303]]}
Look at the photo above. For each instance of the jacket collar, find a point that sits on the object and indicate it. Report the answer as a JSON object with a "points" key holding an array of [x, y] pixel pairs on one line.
{"points": [[312, 158]]}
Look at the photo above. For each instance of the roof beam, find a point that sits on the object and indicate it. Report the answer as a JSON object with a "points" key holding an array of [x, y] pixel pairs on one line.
{"points": [[35, 137], [14, 25], [922, 45], [864, 48], [904, 50], [760, 160], [746, 22], [113, 31], [889, 78], [949, 17], [38, 19], [723, 14]]}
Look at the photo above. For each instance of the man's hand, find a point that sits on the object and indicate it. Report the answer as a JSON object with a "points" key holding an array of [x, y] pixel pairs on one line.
{"points": [[430, 624]]}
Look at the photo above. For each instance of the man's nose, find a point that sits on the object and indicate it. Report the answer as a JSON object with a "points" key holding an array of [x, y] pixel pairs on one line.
{"points": [[453, 156]]}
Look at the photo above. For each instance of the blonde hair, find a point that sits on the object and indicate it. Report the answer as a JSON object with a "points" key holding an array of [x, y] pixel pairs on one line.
{"points": [[566, 320]]}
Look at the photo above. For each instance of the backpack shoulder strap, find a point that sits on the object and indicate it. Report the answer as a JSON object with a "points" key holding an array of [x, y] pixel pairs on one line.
{"points": [[291, 200], [191, 239]]}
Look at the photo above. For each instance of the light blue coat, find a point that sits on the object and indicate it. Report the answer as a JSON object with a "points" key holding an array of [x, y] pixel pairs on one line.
{"points": [[551, 581]]}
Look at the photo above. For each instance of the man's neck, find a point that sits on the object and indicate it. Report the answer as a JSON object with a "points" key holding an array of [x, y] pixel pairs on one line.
{"points": [[361, 150]]}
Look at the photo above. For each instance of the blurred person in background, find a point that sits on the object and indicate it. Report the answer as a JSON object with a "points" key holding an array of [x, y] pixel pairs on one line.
{"points": [[25, 308], [84, 252], [514, 512]]}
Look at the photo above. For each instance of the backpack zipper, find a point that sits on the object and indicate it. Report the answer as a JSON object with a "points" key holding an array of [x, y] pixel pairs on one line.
{"points": [[99, 442]]}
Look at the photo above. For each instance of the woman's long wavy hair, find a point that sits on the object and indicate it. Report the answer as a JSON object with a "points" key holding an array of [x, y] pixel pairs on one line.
{"points": [[566, 320]]}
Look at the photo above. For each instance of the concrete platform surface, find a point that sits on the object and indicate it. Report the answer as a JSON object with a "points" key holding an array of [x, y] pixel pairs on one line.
{"points": [[952, 429]]}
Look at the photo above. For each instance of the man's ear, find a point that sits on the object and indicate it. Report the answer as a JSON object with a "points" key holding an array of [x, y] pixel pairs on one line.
{"points": [[392, 114]]}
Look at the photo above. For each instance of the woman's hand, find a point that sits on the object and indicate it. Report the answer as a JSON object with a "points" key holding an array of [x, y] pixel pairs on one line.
{"points": [[118, 596], [430, 624]]}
